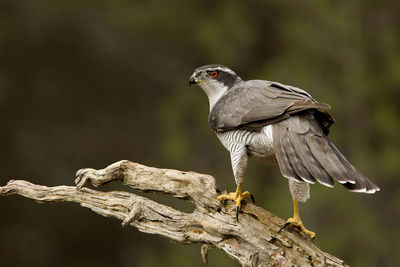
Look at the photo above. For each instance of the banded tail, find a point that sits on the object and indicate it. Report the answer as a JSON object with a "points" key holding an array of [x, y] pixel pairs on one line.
{"points": [[305, 153]]}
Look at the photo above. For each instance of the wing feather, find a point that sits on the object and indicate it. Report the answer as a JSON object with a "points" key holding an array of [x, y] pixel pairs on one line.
{"points": [[256, 103]]}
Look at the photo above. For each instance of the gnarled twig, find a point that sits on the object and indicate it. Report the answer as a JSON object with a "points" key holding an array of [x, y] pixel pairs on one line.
{"points": [[253, 240]]}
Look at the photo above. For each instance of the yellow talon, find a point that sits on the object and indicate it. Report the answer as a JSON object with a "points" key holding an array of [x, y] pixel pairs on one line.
{"points": [[237, 196], [295, 221]]}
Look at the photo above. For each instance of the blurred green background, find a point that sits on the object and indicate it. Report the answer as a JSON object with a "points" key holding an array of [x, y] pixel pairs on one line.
{"points": [[88, 83]]}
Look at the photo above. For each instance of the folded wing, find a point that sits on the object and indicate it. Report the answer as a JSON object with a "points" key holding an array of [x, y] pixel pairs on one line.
{"points": [[257, 103]]}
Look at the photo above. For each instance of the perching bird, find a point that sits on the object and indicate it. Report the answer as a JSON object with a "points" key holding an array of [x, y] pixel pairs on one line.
{"points": [[275, 123]]}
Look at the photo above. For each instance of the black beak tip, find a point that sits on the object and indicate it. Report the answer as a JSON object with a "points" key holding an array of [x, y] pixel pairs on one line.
{"points": [[192, 81]]}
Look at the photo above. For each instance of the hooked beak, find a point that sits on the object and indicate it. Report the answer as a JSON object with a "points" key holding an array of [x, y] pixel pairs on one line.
{"points": [[192, 81]]}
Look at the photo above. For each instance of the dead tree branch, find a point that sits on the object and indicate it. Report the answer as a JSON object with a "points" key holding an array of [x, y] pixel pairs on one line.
{"points": [[253, 241]]}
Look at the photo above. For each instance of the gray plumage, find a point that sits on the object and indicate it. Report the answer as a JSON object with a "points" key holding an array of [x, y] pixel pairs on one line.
{"points": [[276, 123], [253, 104]]}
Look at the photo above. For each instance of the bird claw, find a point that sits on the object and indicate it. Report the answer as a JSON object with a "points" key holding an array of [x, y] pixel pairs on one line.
{"points": [[252, 199], [238, 197], [298, 225], [283, 226]]}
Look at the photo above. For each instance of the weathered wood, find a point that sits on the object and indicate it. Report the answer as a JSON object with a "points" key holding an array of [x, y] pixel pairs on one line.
{"points": [[253, 240]]}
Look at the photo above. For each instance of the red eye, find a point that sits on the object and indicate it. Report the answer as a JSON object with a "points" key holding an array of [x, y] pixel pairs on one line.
{"points": [[214, 74]]}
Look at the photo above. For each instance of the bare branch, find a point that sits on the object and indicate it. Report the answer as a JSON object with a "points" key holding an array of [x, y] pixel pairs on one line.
{"points": [[253, 241]]}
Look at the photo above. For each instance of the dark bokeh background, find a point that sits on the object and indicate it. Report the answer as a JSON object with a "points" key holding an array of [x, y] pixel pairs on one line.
{"points": [[87, 83]]}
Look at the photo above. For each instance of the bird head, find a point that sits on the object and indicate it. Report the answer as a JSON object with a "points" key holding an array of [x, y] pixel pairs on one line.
{"points": [[215, 80]]}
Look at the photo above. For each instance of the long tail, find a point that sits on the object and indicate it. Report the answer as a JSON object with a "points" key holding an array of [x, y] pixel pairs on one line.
{"points": [[304, 153], [362, 184]]}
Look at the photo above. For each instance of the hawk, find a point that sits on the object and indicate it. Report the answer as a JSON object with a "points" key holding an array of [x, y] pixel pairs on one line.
{"points": [[275, 123]]}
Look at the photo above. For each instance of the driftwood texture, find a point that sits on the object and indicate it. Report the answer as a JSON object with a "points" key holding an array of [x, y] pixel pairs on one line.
{"points": [[253, 240]]}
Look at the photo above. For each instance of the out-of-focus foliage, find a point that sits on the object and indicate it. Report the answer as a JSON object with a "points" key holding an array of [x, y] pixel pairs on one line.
{"points": [[87, 83]]}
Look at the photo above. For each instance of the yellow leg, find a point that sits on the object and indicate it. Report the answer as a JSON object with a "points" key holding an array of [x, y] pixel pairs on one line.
{"points": [[296, 216], [237, 196], [295, 221]]}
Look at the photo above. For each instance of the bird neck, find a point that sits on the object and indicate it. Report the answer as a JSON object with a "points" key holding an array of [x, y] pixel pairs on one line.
{"points": [[214, 97], [214, 90]]}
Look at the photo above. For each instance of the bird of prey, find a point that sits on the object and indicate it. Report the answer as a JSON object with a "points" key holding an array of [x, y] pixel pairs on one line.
{"points": [[275, 123]]}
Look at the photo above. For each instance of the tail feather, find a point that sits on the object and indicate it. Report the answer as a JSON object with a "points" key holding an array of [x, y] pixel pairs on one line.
{"points": [[361, 183], [309, 161], [310, 156], [294, 159], [285, 165], [319, 146]]}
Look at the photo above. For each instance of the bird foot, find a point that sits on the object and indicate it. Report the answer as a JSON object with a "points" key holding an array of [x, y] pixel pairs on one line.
{"points": [[238, 197], [296, 223]]}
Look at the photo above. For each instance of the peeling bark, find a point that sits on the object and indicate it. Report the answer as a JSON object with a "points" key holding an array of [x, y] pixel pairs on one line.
{"points": [[253, 240]]}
